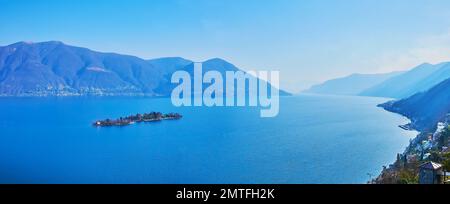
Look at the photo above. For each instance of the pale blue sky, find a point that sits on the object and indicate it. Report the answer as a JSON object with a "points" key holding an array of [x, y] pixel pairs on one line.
{"points": [[307, 40]]}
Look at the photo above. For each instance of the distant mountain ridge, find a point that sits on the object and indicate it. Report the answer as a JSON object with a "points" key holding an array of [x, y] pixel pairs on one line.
{"points": [[56, 69], [350, 85], [418, 79], [422, 94], [391, 85]]}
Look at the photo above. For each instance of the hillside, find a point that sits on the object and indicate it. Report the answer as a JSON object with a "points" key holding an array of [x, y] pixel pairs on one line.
{"points": [[424, 109]]}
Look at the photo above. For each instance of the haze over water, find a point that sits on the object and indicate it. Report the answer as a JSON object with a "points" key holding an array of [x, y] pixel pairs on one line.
{"points": [[314, 139]]}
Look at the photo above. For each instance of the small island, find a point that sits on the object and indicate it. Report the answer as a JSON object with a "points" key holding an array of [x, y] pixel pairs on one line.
{"points": [[138, 118]]}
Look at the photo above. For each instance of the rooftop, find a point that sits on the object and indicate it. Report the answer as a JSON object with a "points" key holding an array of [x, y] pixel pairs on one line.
{"points": [[431, 165]]}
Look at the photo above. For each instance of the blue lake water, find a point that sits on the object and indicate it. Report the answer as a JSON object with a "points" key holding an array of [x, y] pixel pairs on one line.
{"points": [[314, 139]]}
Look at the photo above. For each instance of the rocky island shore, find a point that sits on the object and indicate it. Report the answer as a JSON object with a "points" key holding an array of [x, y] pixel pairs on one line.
{"points": [[138, 118]]}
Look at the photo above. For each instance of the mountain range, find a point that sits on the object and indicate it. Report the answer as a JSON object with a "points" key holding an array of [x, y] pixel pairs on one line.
{"points": [[418, 79], [391, 85], [56, 69], [422, 93], [350, 85]]}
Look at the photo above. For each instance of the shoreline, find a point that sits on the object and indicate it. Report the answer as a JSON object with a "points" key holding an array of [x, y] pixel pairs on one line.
{"points": [[391, 166]]}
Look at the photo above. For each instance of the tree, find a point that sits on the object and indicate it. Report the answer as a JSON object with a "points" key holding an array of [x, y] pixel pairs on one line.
{"points": [[446, 161], [408, 177], [443, 140]]}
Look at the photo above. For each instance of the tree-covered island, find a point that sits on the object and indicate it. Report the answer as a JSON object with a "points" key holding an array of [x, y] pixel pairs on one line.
{"points": [[138, 118]]}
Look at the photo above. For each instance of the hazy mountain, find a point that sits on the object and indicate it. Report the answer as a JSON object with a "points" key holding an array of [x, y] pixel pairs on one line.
{"points": [[168, 66], [350, 85], [420, 78], [220, 65], [424, 109], [53, 68]]}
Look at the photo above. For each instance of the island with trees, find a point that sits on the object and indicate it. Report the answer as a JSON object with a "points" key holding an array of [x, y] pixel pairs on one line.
{"points": [[138, 118]]}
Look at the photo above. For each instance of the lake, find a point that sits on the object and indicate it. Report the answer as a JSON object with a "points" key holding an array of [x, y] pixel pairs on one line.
{"points": [[314, 139]]}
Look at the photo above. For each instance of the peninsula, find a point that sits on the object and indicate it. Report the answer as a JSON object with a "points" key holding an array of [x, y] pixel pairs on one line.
{"points": [[138, 118]]}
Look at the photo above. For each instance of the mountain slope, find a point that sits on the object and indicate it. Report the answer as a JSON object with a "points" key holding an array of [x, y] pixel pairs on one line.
{"points": [[350, 85], [424, 109], [53, 68], [56, 69], [420, 78]]}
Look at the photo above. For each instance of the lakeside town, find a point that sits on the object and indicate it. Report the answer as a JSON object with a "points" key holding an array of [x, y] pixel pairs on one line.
{"points": [[425, 161], [138, 118]]}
